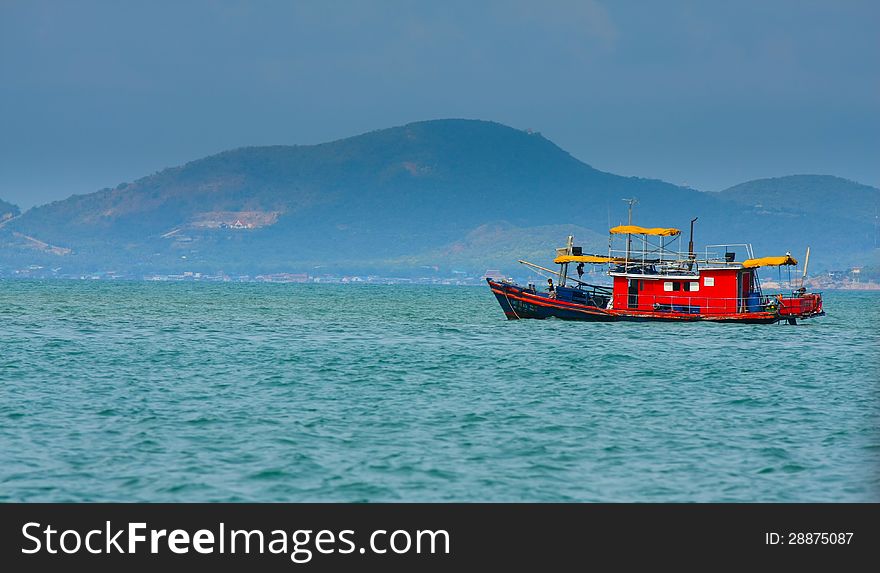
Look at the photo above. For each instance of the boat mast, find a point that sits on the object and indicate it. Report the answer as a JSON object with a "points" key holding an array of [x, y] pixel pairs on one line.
{"points": [[806, 264], [563, 268], [629, 222], [691, 255]]}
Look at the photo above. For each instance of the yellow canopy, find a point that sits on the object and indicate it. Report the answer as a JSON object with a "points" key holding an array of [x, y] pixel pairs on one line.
{"points": [[769, 262], [636, 230], [582, 259]]}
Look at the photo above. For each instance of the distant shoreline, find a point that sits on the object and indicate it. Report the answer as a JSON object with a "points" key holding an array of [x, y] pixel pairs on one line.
{"points": [[376, 281]]}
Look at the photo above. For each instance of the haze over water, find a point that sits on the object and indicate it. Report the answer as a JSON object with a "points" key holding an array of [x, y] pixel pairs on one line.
{"points": [[264, 392]]}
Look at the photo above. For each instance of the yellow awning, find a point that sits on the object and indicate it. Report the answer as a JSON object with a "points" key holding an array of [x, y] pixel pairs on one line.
{"points": [[636, 230], [769, 262], [582, 259]]}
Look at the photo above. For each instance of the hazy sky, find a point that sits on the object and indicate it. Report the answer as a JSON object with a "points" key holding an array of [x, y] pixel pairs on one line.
{"points": [[702, 93]]}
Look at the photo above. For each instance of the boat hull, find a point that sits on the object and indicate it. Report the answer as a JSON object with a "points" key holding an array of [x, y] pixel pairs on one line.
{"points": [[519, 302]]}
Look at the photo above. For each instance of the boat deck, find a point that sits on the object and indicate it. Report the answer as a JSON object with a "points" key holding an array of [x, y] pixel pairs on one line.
{"points": [[519, 302]]}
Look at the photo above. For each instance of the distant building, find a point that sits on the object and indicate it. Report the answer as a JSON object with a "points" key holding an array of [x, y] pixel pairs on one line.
{"points": [[284, 278], [856, 273]]}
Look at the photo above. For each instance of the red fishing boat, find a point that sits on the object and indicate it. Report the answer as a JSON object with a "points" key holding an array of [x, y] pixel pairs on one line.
{"points": [[651, 280]]}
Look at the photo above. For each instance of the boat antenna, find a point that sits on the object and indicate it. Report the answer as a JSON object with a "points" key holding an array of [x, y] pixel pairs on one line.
{"points": [[629, 221]]}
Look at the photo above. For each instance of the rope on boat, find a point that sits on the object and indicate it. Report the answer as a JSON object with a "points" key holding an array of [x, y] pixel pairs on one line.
{"points": [[536, 269], [511, 305], [539, 273]]}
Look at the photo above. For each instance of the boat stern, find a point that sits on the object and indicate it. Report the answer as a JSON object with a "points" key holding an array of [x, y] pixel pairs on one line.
{"points": [[800, 305]]}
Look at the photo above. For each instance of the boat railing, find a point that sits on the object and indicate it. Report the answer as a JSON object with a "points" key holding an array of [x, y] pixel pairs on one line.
{"points": [[654, 256], [653, 263], [699, 305], [667, 261], [728, 253], [605, 290]]}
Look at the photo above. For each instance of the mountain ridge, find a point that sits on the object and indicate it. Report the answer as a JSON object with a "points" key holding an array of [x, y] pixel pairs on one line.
{"points": [[384, 198], [8, 211], [813, 193]]}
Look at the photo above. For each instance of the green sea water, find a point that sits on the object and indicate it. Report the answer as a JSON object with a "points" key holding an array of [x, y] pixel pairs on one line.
{"points": [[136, 391]]}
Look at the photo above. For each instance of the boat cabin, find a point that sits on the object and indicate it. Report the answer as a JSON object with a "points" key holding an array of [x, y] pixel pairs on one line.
{"points": [[651, 278], [708, 290]]}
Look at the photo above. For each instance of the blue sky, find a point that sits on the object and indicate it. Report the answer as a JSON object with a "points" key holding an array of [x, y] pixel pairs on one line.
{"points": [[703, 93]]}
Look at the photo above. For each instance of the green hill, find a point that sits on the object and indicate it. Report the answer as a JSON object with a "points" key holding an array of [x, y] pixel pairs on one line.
{"points": [[500, 245], [839, 218], [818, 194], [426, 193]]}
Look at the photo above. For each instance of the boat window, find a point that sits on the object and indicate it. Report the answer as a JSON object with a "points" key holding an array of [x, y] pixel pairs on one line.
{"points": [[667, 286], [676, 285], [708, 281], [695, 286], [641, 285]]}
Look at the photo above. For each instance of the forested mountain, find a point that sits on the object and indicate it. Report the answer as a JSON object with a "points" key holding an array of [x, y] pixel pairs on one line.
{"points": [[448, 193]]}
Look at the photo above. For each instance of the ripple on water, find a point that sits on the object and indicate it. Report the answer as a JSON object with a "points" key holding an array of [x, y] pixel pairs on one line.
{"points": [[253, 392]]}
